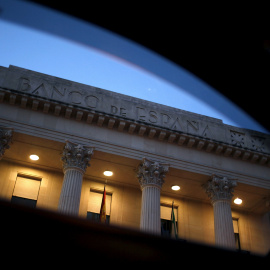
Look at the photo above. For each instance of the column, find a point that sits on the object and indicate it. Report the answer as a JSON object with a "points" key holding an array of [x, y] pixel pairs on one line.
{"points": [[5, 139], [151, 176], [220, 191], [75, 159]]}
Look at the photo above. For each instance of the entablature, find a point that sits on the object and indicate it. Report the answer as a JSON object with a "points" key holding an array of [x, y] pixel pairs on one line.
{"points": [[94, 106]]}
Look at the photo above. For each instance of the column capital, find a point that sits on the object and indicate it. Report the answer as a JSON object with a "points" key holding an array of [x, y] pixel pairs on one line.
{"points": [[151, 173], [76, 156], [5, 139], [220, 188]]}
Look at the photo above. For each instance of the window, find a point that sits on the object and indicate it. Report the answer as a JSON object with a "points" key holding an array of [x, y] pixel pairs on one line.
{"points": [[166, 224], [95, 217], [236, 234], [26, 190], [94, 204]]}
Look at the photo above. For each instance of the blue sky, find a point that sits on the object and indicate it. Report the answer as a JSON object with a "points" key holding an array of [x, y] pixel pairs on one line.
{"points": [[49, 54]]}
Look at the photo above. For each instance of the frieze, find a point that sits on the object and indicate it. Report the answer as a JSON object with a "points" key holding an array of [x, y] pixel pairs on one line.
{"points": [[258, 143], [103, 107], [28, 82], [237, 138]]}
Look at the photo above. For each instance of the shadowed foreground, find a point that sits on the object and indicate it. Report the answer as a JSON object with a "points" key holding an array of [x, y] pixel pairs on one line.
{"points": [[34, 237]]}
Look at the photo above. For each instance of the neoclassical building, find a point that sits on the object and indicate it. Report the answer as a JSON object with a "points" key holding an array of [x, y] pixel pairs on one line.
{"points": [[58, 138]]}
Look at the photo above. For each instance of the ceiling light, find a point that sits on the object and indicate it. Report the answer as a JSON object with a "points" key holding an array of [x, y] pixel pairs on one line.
{"points": [[34, 157], [108, 173], [237, 201], [175, 187]]}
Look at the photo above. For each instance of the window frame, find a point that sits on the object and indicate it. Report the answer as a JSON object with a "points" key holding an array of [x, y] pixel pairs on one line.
{"points": [[23, 200], [99, 191]]}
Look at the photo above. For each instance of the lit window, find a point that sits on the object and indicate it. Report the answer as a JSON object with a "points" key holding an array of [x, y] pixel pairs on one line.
{"points": [[26, 191], [167, 228], [94, 205], [236, 234]]}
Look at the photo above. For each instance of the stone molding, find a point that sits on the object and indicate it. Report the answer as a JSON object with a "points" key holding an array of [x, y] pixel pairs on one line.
{"points": [[174, 161], [76, 156], [220, 188], [151, 173], [63, 98], [5, 139]]}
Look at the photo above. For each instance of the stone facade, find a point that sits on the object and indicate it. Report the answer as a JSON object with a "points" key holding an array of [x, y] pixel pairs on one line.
{"points": [[148, 146], [71, 100]]}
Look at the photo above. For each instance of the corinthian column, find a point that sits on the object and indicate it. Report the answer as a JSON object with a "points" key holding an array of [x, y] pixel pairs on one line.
{"points": [[75, 159], [5, 139], [220, 191], [151, 176]]}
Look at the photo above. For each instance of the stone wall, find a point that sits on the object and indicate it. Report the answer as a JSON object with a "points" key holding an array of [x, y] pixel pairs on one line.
{"points": [[195, 219]]}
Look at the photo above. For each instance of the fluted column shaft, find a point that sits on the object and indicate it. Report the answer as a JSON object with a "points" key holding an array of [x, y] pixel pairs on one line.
{"points": [[224, 234], [70, 197], [151, 176], [150, 211], [75, 159], [220, 191]]}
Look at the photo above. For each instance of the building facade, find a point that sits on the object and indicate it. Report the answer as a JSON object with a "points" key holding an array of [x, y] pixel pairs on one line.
{"points": [[79, 132]]}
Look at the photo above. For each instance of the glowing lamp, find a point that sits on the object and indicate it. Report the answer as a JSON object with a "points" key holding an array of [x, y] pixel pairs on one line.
{"points": [[237, 201], [34, 157], [175, 187], [108, 173]]}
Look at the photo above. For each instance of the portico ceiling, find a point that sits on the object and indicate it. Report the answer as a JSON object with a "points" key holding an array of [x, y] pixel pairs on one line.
{"points": [[255, 199]]}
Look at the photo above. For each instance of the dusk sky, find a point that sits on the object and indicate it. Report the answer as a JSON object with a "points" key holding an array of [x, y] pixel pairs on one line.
{"points": [[39, 51]]}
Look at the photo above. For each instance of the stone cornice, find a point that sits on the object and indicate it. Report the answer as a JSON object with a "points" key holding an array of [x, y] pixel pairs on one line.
{"points": [[94, 106]]}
